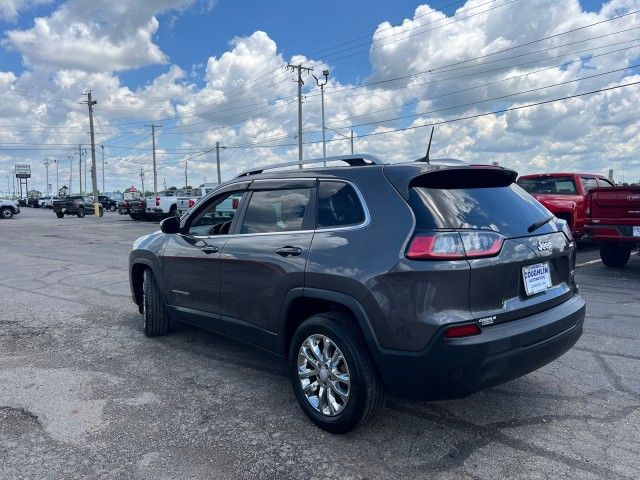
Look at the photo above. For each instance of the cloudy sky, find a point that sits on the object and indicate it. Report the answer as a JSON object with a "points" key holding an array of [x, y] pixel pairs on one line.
{"points": [[212, 71]]}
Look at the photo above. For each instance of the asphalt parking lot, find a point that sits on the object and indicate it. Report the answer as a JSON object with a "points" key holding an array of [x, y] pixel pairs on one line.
{"points": [[84, 394]]}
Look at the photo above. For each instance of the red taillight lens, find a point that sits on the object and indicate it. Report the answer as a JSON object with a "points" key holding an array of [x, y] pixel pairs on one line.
{"points": [[587, 205], [157, 201], [454, 245], [234, 203], [191, 202], [458, 331], [443, 246]]}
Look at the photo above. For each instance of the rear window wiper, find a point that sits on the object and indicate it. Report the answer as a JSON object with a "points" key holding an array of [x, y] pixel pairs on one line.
{"points": [[534, 226]]}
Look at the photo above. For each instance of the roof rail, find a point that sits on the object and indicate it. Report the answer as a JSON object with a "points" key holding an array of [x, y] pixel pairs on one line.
{"points": [[360, 160]]}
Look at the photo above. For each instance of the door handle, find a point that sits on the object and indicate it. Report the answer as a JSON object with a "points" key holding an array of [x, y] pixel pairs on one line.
{"points": [[286, 251], [210, 249]]}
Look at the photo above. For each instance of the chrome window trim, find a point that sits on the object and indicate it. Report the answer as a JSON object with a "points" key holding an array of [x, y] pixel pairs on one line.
{"points": [[358, 226]]}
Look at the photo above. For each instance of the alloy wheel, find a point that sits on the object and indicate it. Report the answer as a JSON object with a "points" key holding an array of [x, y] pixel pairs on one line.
{"points": [[324, 375]]}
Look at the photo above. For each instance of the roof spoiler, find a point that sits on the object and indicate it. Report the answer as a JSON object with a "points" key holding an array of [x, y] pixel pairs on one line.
{"points": [[468, 176]]}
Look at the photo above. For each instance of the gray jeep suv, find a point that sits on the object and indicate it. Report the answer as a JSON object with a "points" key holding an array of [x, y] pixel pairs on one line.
{"points": [[422, 280]]}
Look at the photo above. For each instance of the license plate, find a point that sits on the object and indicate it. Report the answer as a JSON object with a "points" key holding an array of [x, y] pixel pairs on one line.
{"points": [[537, 278], [636, 231]]}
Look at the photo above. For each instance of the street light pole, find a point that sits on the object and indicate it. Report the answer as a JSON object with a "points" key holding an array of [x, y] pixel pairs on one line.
{"points": [[102, 147], [57, 184], [321, 85], [46, 187]]}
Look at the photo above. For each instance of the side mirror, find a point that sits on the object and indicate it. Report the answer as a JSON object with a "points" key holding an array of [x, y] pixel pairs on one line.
{"points": [[170, 225]]}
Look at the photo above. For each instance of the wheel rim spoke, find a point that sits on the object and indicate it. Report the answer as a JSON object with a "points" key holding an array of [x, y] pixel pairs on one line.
{"points": [[324, 375]]}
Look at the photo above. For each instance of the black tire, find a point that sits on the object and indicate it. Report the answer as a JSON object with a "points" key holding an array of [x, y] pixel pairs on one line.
{"points": [[365, 394], [155, 320], [112, 208], [60, 214], [614, 254], [6, 213], [101, 212], [80, 213]]}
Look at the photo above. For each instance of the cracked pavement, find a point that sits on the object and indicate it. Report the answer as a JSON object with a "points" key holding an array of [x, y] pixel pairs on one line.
{"points": [[83, 394]]}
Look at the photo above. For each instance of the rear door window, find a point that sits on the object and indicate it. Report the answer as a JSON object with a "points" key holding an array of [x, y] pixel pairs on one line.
{"points": [[602, 182], [589, 183], [550, 185], [338, 205], [507, 210], [272, 211]]}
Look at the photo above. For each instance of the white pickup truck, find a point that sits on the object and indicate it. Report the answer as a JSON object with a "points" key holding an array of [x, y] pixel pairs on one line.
{"points": [[162, 205], [185, 202], [9, 208]]}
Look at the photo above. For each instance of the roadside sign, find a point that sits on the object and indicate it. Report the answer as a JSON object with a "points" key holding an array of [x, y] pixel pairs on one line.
{"points": [[23, 170]]}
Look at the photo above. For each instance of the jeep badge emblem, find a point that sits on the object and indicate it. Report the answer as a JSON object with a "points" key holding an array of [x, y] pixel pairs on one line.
{"points": [[544, 246]]}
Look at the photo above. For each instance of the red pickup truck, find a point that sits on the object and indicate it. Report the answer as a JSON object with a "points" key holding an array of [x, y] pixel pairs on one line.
{"points": [[563, 194], [613, 219]]}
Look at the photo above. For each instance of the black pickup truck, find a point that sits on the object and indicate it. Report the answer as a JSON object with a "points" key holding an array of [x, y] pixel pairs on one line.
{"points": [[108, 203], [74, 205], [136, 208]]}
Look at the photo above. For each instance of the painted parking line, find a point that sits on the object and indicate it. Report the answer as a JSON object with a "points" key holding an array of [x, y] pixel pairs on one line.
{"points": [[591, 262]]}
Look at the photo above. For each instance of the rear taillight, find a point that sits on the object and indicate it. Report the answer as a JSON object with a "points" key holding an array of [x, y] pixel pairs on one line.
{"points": [[458, 331], [587, 205], [75, 203], [157, 201], [234, 203], [191, 202], [454, 245]]}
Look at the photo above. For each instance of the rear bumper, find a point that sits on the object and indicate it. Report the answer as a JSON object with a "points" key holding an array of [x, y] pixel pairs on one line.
{"points": [[457, 368], [613, 233]]}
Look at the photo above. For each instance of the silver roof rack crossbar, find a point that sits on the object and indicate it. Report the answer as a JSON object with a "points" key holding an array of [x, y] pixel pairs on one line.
{"points": [[359, 160]]}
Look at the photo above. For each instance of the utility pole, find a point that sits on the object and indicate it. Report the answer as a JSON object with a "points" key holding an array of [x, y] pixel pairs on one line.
{"points": [[299, 68], [94, 171], [352, 141], [155, 171], [70, 157], [218, 162], [142, 180], [80, 167], [321, 85], [46, 187], [186, 182], [57, 184], [102, 148]]}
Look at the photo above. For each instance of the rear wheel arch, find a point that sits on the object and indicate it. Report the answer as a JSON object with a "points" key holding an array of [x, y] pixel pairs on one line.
{"points": [[301, 304]]}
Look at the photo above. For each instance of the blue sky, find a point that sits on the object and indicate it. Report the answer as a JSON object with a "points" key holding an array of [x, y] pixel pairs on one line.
{"points": [[191, 36], [195, 67]]}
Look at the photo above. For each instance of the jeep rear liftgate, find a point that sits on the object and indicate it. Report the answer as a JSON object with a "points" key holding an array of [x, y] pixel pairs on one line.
{"points": [[520, 263]]}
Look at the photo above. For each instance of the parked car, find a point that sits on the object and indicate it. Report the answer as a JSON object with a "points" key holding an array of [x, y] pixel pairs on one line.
{"points": [[9, 208], [75, 205], [408, 278], [163, 205], [137, 208], [613, 219], [33, 202], [47, 202], [185, 202], [123, 207], [108, 203], [563, 194]]}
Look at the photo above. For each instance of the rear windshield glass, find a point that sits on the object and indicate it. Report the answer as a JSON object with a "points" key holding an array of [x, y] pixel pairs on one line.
{"points": [[507, 210], [555, 185]]}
